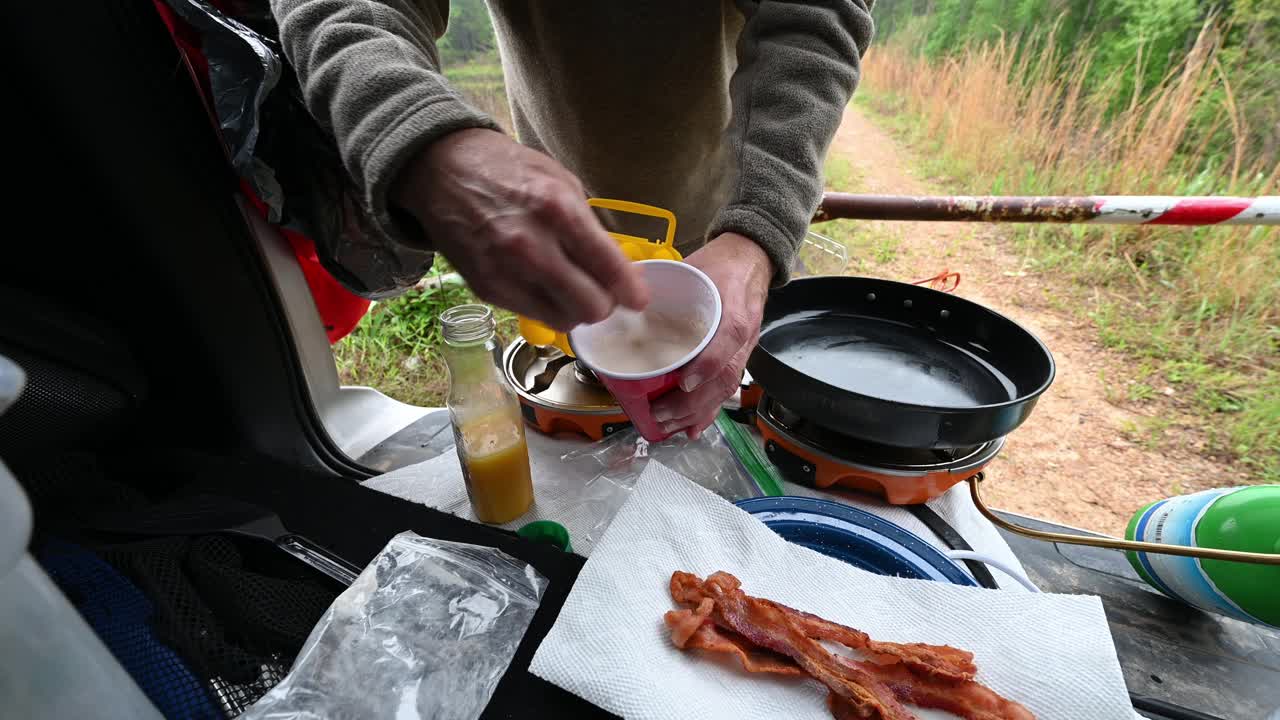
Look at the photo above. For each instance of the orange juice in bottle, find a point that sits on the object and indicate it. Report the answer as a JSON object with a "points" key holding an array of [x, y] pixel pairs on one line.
{"points": [[487, 426], [495, 463]]}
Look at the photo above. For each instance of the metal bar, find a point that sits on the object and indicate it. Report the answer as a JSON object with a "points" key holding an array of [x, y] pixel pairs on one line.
{"points": [[1101, 209], [1104, 541]]}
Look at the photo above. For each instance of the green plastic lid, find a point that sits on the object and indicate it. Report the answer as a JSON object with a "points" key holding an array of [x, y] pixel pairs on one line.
{"points": [[546, 531]]}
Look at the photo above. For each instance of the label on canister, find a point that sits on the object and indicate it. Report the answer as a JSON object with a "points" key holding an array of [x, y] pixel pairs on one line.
{"points": [[1173, 522]]}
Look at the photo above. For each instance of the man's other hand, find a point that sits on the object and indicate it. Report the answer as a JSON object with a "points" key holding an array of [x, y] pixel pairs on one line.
{"points": [[742, 272], [516, 225]]}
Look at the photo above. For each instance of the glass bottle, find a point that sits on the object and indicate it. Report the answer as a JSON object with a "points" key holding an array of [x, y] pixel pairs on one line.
{"points": [[488, 428]]}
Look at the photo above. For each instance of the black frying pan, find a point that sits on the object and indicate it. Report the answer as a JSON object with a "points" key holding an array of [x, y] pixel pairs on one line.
{"points": [[897, 364]]}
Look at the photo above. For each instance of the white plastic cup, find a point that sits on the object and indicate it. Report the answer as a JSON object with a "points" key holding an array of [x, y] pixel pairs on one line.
{"points": [[676, 289]]}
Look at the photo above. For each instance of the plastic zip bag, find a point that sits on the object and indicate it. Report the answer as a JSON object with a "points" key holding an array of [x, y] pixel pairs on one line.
{"points": [[614, 463], [426, 631]]}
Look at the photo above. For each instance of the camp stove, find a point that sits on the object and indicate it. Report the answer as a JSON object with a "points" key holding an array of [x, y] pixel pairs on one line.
{"points": [[807, 453]]}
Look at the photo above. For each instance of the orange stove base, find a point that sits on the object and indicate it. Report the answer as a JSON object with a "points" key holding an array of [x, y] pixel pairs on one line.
{"points": [[595, 427], [824, 473]]}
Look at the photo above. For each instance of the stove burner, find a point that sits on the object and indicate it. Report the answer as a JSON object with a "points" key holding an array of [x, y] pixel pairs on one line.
{"points": [[810, 454], [585, 374], [556, 399]]}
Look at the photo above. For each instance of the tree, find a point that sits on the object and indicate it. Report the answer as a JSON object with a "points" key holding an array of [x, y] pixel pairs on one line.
{"points": [[470, 32]]}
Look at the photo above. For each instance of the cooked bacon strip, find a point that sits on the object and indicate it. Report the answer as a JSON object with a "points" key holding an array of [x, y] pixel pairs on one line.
{"points": [[941, 660], [842, 709], [770, 628], [684, 623], [968, 699], [686, 588], [706, 636], [923, 675]]}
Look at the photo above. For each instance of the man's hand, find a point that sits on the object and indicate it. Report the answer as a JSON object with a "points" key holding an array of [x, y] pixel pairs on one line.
{"points": [[741, 271], [517, 226]]}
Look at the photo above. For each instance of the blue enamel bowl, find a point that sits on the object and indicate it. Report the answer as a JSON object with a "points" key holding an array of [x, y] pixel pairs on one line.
{"points": [[856, 537]]}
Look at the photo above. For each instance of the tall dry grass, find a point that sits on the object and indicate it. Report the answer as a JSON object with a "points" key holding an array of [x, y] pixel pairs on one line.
{"points": [[1037, 105], [1003, 121]]}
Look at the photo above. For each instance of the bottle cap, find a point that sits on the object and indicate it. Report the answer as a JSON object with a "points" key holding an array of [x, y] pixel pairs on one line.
{"points": [[546, 531]]}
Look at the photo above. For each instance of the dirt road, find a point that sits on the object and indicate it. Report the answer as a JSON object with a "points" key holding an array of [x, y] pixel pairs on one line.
{"points": [[1071, 462]]}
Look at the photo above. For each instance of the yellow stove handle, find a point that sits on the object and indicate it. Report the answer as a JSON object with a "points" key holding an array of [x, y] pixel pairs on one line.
{"points": [[634, 247], [639, 209]]}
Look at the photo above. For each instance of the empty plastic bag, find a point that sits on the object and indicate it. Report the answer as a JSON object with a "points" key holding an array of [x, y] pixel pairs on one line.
{"points": [[426, 631]]}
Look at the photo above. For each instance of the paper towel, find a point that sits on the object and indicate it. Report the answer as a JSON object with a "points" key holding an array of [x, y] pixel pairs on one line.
{"points": [[1053, 653]]}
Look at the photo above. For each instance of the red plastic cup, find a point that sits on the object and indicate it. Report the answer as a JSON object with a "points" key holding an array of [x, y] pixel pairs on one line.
{"points": [[677, 289]]}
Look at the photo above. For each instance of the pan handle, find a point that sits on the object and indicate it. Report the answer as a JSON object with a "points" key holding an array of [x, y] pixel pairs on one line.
{"points": [[1105, 541], [945, 281]]}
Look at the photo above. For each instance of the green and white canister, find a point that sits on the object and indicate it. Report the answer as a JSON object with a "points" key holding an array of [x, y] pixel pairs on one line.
{"points": [[1240, 518]]}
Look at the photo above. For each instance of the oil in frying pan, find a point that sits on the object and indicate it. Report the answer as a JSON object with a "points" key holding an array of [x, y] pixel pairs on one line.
{"points": [[887, 360]]}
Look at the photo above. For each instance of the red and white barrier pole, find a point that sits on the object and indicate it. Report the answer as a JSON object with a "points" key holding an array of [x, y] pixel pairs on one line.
{"points": [[1100, 209]]}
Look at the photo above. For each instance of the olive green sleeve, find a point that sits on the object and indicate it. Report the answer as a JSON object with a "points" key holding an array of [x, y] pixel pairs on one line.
{"points": [[798, 65]]}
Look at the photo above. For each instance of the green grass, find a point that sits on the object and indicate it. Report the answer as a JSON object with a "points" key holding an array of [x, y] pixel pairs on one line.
{"points": [[481, 82], [871, 244], [1149, 433], [481, 70], [1238, 404], [840, 175], [395, 348], [1255, 433]]}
